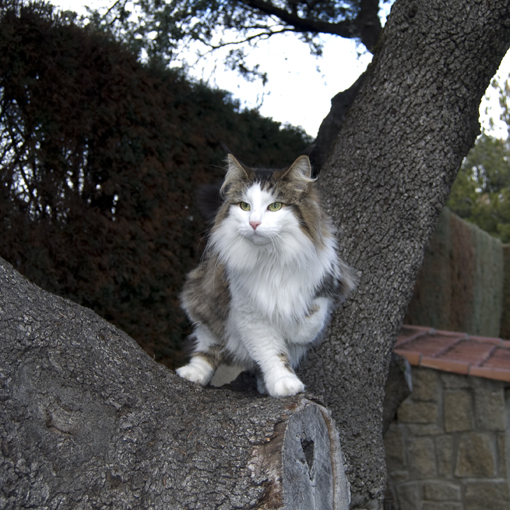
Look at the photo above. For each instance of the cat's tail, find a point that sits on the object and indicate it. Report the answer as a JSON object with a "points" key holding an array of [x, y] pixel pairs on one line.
{"points": [[348, 281]]}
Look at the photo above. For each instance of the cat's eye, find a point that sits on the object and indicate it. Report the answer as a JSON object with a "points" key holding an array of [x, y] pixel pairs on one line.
{"points": [[244, 206], [276, 206]]}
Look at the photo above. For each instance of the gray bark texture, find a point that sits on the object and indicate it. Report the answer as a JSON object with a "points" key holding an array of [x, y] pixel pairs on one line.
{"points": [[384, 184], [331, 125], [88, 420]]}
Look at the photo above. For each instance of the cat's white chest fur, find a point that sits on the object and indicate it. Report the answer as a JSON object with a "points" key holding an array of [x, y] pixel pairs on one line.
{"points": [[279, 287], [280, 282], [275, 266]]}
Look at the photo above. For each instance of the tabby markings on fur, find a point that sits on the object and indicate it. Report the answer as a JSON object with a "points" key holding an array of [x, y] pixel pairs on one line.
{"points": [[269, 279]]}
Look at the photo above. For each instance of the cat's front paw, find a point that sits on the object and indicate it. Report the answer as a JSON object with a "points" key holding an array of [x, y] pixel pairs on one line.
{"points": [[286, 386], [197, 371]]}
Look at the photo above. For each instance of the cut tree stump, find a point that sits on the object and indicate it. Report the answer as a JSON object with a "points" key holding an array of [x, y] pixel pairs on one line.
{"points": [[88, 420]]}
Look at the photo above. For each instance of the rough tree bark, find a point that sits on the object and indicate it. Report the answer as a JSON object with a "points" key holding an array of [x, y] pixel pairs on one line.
{"points": [[331, 125], [105, 425], [384, 184], [88, 420]]}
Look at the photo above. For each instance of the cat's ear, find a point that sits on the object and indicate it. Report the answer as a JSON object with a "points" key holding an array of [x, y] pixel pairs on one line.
{"points": [[300, 171], [235, 172]]}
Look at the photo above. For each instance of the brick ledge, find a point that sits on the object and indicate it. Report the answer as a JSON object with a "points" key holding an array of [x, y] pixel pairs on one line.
{"points": [[454, 352]]}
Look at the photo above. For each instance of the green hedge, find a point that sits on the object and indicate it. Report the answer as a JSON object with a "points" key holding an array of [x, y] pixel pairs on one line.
{"points": [[101, 157]]}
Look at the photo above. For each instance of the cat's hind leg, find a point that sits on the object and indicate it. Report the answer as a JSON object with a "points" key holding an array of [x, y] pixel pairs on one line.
{"points": [[207, 355], [312, 325]]}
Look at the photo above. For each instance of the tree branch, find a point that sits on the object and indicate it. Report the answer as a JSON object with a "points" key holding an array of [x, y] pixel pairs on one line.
{"points": [[368, 23], [88, 416], [346, 28], [260, 35], [366, 26]]}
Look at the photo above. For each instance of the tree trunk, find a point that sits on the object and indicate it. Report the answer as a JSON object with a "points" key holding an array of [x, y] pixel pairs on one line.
{"points": [[384, 184], [88, 420], [332, 123]]}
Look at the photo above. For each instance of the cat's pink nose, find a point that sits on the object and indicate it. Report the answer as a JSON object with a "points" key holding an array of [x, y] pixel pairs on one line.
{"points": [[254, 224]]}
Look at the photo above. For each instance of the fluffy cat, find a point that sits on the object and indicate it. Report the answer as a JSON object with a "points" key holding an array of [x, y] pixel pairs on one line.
{"points": [[269, 279]]}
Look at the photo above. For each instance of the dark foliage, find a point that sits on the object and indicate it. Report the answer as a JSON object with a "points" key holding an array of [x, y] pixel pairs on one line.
{"points": [[100, 159]]}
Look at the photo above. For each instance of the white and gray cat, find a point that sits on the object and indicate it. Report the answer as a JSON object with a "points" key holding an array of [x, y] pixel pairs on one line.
{"points": [[269, 279]]}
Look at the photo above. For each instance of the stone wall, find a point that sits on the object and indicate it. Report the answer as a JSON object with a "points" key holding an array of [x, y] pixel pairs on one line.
{"points": [[460, 286], [449, 446]]}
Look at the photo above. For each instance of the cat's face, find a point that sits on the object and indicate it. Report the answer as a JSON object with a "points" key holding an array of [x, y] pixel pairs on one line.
{"points": [[261, 216], [264, 206]]}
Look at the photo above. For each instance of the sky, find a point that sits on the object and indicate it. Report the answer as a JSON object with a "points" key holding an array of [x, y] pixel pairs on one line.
{"points": [[300, 86]]}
